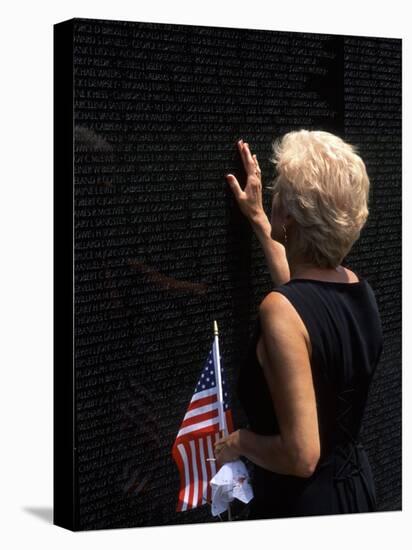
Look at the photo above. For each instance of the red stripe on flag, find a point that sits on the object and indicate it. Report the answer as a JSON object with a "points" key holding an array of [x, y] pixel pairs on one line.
{"points": [[211, 415], [198, 434], [199, 474], [191, 487], [210, 468], [203, 401], [181, 468], [207, 469], [229, 421]]}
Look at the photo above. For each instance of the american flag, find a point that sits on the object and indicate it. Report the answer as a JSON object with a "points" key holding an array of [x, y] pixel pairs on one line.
{"points": [[198, 433]]}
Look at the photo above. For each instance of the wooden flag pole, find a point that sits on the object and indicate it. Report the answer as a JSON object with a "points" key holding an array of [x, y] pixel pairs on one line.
{"points": [[223, 431]]}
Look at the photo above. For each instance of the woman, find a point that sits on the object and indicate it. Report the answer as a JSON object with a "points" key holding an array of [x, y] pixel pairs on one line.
{"points": [[318, 336]]}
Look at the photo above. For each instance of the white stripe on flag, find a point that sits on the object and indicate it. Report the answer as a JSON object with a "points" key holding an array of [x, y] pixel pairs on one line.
{"points": [[195, 480], [203, 393], [201, 410], [183, 454], [199, 426]]}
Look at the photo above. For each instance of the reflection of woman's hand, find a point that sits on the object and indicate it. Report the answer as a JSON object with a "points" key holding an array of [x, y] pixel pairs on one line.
{"points": [[249, 199]]}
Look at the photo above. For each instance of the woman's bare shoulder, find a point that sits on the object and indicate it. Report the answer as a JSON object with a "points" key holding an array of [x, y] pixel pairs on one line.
{"points": [[352, 277], [276, 308]]}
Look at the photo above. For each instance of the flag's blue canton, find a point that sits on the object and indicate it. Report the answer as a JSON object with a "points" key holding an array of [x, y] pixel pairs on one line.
{"points": [[208, 379]]}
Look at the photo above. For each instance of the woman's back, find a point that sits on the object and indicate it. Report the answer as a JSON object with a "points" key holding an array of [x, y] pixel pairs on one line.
{"points": [[344, 326]]}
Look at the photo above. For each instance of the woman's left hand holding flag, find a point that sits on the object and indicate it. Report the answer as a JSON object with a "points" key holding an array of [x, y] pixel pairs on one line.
{"points": [[226, 449]]}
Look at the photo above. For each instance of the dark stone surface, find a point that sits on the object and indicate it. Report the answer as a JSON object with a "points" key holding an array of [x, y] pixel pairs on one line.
{"points": [[161, 249]]}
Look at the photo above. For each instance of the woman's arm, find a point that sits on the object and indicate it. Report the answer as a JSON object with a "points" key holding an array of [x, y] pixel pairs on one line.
{"points": [[251, 205], [285, 362], [275, 253], [269, 452]]}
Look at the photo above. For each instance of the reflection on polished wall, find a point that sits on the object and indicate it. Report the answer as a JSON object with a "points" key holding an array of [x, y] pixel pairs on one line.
{"points": [[161, 249]]}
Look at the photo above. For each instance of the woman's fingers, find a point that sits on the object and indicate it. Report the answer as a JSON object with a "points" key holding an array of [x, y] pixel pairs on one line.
{"points": [[248, 155], [234, 184], [247, 158], [249, 199], [219, 442], [257, 167]]}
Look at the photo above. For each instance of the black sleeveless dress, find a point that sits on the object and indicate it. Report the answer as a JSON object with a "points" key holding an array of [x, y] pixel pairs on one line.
{"points": [[345, 330]]}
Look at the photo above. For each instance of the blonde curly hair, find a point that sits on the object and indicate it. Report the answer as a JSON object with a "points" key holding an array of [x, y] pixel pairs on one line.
{"points": [[322, 182]]}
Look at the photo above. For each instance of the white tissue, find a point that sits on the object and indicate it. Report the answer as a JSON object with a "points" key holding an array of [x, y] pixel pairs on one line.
{"points": [[231, 481]]}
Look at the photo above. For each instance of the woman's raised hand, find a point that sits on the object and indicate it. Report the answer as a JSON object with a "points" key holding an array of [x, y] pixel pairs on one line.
{"points": [[249, 199]]}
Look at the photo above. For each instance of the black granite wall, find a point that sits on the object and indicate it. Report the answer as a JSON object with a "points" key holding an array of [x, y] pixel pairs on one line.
{"points": [[373, 120], [161, 249]]}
